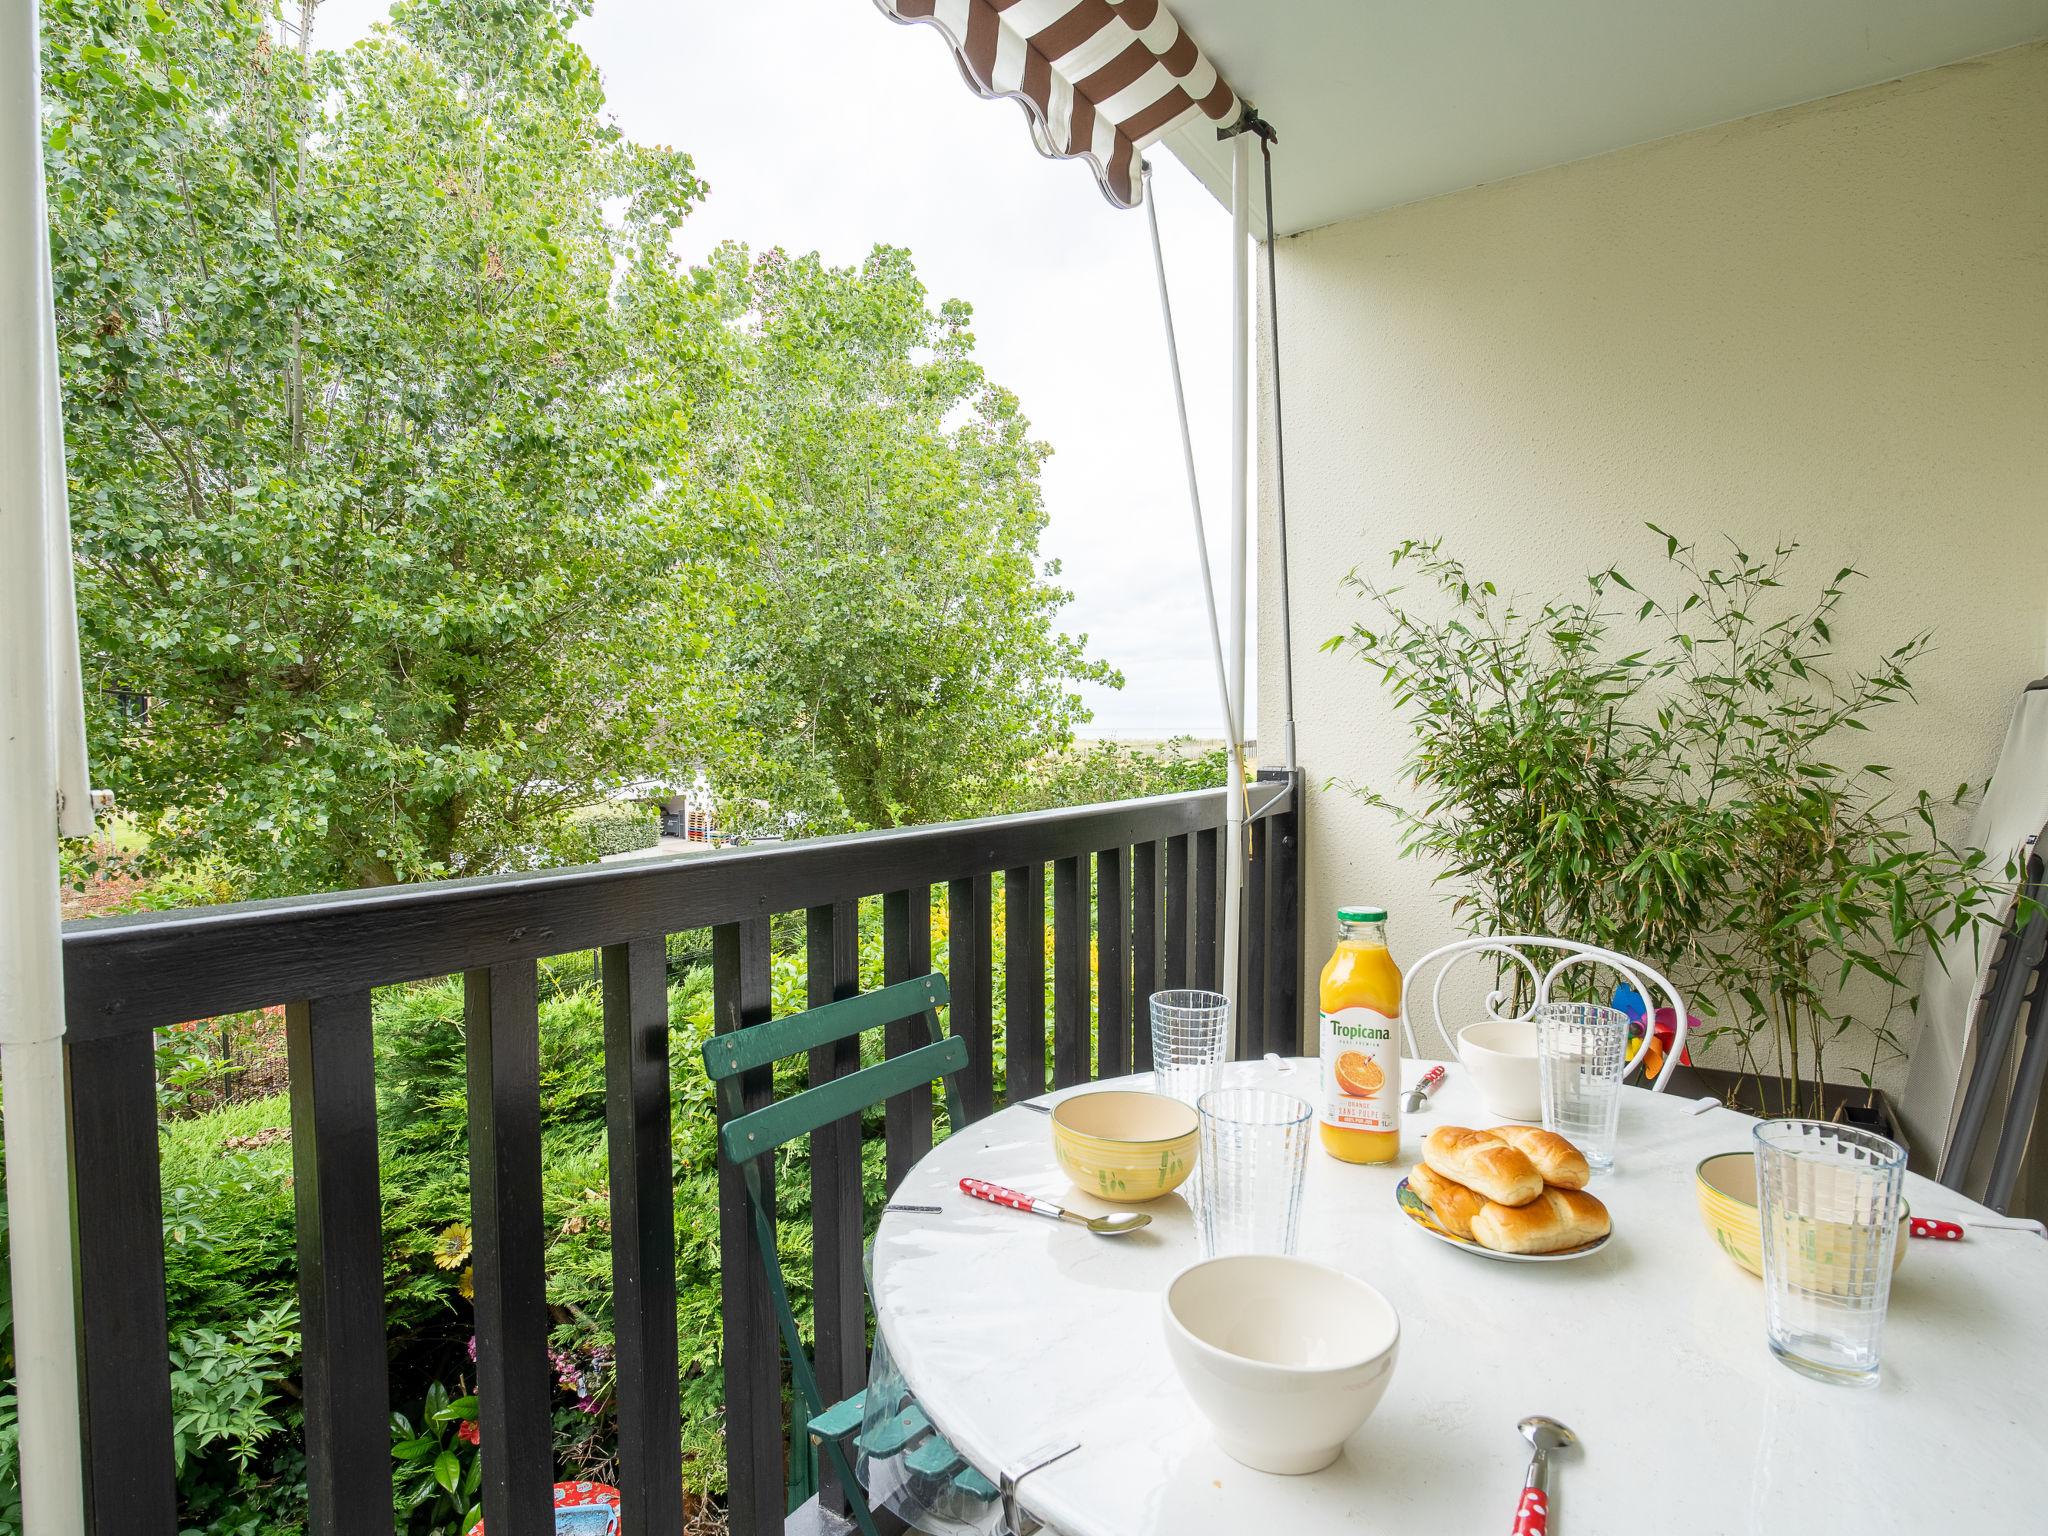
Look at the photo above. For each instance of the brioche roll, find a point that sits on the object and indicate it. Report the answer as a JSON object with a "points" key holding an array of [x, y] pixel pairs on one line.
{"points": [[1557, 1220], [1453, 1204], [1560, 1163], [1481, 1160]]}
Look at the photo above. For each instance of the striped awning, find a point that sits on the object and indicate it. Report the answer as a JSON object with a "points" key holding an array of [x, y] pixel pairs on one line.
{"points": [[1100, 79]]}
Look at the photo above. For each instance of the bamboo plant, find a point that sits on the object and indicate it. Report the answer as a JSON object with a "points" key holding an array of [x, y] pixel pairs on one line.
{"points": [[1662, 775]]}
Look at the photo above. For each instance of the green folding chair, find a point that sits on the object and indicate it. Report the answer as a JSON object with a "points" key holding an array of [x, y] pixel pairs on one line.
{"points": [[834, 1430]]}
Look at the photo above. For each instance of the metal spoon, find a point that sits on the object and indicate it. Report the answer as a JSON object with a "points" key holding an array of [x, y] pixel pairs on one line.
{"points": [[1419, 1094], [1532, 1515], [1106, 1226]]}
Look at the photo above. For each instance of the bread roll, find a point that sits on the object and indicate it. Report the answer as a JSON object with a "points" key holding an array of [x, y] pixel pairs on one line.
{"points": [[1453, 1204], [1560, 1219], [1482, 1161], [1560, 1163]]}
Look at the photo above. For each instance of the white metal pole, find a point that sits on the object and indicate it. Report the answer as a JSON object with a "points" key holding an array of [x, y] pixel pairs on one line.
{"points": [[31, 978], [1240, 392], [1187, 454]]}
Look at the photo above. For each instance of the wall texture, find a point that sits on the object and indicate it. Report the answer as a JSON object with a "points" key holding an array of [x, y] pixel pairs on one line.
{"points": [[1827, 324]]}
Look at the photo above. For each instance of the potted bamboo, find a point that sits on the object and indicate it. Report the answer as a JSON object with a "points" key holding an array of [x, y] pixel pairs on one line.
{"points": [[1659, 772]]}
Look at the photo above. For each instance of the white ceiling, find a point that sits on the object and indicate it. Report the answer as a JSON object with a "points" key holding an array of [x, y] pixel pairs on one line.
{"points": [[1381, 102]]}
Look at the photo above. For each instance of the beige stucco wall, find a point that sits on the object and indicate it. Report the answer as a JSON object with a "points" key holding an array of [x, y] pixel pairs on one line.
{"points": [[1827, 324]]}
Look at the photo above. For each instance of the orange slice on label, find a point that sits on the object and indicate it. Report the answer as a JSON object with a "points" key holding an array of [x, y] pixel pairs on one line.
{"points": [[1359, 1075]]}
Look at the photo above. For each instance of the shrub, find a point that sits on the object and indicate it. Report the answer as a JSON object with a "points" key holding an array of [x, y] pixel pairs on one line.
{"points": [[231, 1260], [593, 832]]}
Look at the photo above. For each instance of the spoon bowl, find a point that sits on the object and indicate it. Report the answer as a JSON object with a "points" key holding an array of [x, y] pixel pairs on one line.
{"points": [[1113, 1226], [1546, 1434]]}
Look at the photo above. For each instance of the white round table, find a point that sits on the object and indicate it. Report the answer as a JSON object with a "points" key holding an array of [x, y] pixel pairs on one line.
{"points": [[1016, 1333]]}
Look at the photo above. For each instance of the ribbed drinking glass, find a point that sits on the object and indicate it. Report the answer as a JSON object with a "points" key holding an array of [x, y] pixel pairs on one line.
{"points": [[1190, 1034], [1254, 1153], [1580, 1050], [1828, 1206]]}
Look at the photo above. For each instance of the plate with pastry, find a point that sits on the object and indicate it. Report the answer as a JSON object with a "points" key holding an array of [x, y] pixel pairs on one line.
{"points": [[1514, 1193]]}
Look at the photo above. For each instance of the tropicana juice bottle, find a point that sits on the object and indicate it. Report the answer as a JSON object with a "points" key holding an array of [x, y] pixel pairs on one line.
{"points": [[1360, 1118]]}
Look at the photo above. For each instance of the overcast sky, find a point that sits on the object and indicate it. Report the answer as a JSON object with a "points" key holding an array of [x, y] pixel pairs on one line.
{"points": [[823, 125]]}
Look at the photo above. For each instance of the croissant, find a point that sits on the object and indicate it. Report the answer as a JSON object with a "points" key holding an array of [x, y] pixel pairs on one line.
{"points": [[1453, 1204], [1556, 1159], [1482, 1161], [1558, 1219]]}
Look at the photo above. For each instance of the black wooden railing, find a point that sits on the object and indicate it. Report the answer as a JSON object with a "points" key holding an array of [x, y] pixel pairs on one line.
{"points": [[1156, 866]]}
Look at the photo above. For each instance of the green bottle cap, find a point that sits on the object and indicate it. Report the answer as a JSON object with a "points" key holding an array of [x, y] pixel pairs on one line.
{"points": [[1361, 914]]}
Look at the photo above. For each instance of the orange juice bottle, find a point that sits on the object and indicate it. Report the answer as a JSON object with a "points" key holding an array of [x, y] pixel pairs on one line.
{"points": [[1360, 1119]]}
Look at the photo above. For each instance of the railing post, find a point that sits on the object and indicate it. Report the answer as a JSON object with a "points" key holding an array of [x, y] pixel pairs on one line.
{"points": [[1144, 950], [1254, 944], [1285, 1026], [1024, 982], [1178, 932], [1112, 956], [970, 977], [643, 1235], [838, 1293], [1070, 1011], [125, 1371], [514, 1386], [906, 952], [752, 1352], [1202, 964], [333, 1085]]}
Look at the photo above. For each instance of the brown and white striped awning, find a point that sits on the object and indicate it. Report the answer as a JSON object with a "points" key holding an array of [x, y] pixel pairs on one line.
{"points": [[1100, 79]]}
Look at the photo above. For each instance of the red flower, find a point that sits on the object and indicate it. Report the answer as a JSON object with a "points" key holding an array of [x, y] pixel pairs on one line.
{"points": [[468, 1431]]}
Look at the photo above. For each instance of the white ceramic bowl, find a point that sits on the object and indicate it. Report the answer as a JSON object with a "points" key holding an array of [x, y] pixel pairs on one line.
{"points": [[1501, 1056], [1285, 1358]]}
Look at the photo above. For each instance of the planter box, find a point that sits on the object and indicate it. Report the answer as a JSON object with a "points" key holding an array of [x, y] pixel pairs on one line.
{"points": [[1850, 1103]]}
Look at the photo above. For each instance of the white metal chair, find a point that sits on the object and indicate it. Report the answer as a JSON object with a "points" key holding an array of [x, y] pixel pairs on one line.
{"points": [[1649, 983]]}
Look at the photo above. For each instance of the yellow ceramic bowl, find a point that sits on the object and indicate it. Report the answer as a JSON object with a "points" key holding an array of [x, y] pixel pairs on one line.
{"points": [[1125, 1146], [1725, 1185]]}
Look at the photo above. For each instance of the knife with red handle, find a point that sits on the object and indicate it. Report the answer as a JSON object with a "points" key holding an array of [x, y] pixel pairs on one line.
{"points": [[1015, 1199], [1927, 1226]]}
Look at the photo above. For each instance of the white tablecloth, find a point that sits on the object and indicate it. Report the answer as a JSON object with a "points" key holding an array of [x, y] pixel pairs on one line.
{"points": [[1015, 1332]]}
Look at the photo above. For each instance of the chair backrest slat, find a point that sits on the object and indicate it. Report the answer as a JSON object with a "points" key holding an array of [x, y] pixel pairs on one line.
{"points": [[798, 1115], [757, 1046]]}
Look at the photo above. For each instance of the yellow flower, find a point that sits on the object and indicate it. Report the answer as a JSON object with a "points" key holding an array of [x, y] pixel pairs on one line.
{"points": [[451, 1248], [468, 1284]]}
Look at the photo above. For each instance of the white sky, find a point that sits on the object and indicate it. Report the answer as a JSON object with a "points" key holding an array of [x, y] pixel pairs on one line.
{"points": [[822, 125]]}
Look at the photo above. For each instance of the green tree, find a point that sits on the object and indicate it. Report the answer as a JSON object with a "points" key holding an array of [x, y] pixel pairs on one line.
{"points": [[893, 652], [422, 494], [380, 502]]}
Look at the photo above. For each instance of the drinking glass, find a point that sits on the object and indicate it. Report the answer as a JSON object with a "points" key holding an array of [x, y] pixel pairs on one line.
{"points": [[1828, 1207], [1580, 1050], [1254, 1153], [1189, 1032]]}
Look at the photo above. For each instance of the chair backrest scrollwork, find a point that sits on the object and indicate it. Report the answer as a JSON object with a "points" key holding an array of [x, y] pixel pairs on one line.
{"points": [[1542, 972]]}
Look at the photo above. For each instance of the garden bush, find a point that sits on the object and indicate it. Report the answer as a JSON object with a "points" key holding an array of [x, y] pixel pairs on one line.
{"points": [[593, 832], [231, 1258]]}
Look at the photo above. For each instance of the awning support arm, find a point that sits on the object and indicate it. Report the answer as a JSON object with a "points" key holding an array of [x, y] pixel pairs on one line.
{"points": [[1187, 450], [1250, 122]]}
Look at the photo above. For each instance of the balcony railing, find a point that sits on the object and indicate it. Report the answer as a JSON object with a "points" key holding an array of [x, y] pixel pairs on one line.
{"points": [[1155, 914]]}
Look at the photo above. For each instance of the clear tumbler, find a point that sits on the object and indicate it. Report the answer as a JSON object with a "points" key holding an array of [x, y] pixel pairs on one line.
{"points": [[1254, 1154], [1580, 1050], [1828, 1205], [1190, 1036]]}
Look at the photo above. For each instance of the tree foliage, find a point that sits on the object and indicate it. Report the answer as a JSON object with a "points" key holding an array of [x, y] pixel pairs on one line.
{"points": [[894, 651], [421, 493]]}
